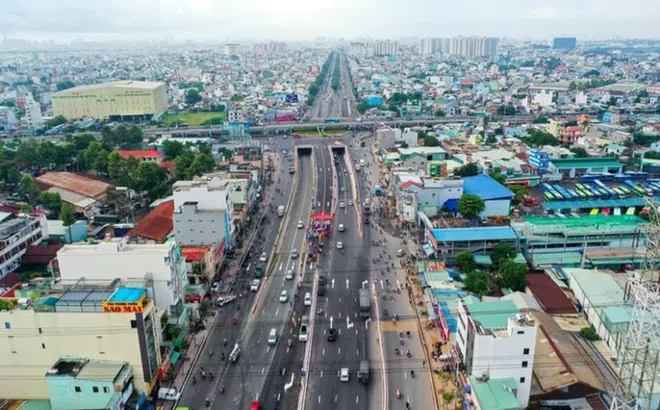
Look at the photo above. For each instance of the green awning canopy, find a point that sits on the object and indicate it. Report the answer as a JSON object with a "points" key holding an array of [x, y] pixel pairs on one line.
{"points": [[175, 357]]}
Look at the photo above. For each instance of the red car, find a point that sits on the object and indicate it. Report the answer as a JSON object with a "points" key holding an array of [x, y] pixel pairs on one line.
{"points": [[256, 405]]}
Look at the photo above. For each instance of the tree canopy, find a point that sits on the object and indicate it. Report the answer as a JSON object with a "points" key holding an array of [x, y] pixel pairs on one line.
{"points": [[579, 152], [501, 252], [173, 149], [193, 96], [467, 170], [64, 84], [476, 281], [511, 275], [538, 138], [471, 206], [465, 261]]}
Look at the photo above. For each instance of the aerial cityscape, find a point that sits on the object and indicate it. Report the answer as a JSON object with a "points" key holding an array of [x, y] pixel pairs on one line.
{"points": [[422, 218]]}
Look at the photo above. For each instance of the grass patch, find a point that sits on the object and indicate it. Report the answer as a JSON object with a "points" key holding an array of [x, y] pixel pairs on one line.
{"points": [[193, 118]]}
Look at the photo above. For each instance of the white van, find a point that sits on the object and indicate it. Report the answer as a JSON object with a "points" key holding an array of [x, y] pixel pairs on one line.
{"points": [[272, 337], [308, 299], [233, 356], [168, 393]]}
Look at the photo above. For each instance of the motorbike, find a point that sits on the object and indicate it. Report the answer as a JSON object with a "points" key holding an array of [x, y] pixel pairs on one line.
{"points": [[210, 352], [194, 380], [408, 353], [412, 374], [398, 393], [408, 334], [397, 352], [208, 403]]}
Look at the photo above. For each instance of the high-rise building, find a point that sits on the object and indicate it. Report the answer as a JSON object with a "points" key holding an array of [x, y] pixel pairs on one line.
{"points": [[232, 49], [564, 43], [462, 46], [383, 48], [33, 115]]}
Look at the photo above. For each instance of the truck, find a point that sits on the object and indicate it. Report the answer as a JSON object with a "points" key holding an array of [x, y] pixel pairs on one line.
{"points": [[365, 303], [363, 372], [280, 210], [378, 190]]}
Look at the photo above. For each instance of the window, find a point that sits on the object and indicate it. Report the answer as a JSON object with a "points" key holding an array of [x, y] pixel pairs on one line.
{"points": [[43, 345], [521, 332], [134, 325], [40, 332], [524, 364], [522, 380], [526, 351], [7, 325], [95, 389], [78, 389], [106, 389]]}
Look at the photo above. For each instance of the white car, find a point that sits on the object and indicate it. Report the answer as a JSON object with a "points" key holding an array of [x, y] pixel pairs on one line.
{"points": [[341, 228], [342, 205], [308, 299], [344, 375], [340, 245], [284, 296], [300, 224], [289, 275], [254, 286], [263, 258], [350, 202], [294, 254]]}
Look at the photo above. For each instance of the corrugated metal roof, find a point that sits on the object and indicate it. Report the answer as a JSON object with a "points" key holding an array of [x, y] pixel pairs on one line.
{"points": [[486, 188], [487, 233]]}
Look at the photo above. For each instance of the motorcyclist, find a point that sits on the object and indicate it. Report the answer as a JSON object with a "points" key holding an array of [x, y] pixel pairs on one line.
{"points": [[412, 373]]}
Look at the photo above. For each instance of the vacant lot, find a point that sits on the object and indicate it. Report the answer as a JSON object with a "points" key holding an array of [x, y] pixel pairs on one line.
{"points": [[193, 118]]}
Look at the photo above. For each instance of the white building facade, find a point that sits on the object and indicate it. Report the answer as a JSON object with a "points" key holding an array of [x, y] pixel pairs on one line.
{"points": [[494, 348], [15, 236]]}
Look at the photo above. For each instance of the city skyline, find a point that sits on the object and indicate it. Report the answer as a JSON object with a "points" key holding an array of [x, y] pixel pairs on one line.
{"points": [[294, 20]]}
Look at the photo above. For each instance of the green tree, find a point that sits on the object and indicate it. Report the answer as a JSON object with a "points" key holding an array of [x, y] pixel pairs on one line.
{"points": [[431, 141], [202, 164], [511, 275], [465, 261], [501, 252], [55, 121], [491, 139], [363, 107], [476, 281], [538, 138], [540, 120], [65, 84], [226, 154], [471, 206], [440, 113], [193, 97], [9, 174], [82, 141], [151, 178], [579, 152], [28, 189], [121, 169], [172, 149], [50, 200], [96, 157], [181, 165], [67, 217], [467, 170], [589, 333], [519, 192], [26, 208], [498, 176]]}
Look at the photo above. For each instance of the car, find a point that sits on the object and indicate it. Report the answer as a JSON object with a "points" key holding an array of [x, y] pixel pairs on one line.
{"points": [[223, 300], [300, 224], [341, 228], [294, 254], [254, 286], [289, 274], [340, 245], [332, 334], [350, 202], [400, 252], [322, 281], [263, 258], [284, 296], [308, 299], [343, 189], [342, 205], [215, 287], [344, 375], [366, 221]]}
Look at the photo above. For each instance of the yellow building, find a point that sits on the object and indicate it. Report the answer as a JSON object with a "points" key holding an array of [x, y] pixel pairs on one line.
{"points": [[101, 324], [112, 100]]}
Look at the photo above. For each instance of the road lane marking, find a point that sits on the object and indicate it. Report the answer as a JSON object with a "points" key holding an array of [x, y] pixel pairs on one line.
{"points": [[321, 373], [347, 281], [323, 352], [357, 399], [267, 348], [336, 398], [263, 370], [366, 323], [281, 265], [348, 323], [319, 399], [339, 350], [289, 384], [277, 311]]}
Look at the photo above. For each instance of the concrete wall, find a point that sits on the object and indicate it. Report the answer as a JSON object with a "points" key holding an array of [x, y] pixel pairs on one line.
{"points": [[195, 227], [499, 207], [32, 342]]}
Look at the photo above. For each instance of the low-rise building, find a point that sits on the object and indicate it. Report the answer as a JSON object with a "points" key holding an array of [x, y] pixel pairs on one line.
{"points": [[449, 242], [496, 342], [16, 235], [83, 192], [82, 322], [148, 155], [77, 383]]}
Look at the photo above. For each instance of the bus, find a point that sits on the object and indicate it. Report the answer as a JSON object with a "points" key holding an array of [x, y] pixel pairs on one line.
{"points": [[563, 192], [605, 188], [636, 188], [594, 211], [631, 211], [597, 193], [548, 196], [552, 191], [580, 194], [625, 189], [619, 192]]}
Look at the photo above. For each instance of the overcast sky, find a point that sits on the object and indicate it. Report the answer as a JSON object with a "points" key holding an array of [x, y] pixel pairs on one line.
{"points": [[63, 20]]}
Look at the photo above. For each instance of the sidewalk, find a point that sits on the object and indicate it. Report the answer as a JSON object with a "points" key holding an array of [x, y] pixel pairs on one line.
{"points": [[195, 343]]}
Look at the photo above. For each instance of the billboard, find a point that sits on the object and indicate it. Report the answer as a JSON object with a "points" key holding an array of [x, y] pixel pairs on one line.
{"points": [[292, 98]]}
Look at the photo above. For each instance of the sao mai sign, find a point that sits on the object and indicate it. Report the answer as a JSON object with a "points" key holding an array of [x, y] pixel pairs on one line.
{"points": [[123, 307]]}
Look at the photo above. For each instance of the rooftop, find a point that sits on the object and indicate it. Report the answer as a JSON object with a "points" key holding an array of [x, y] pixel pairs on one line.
{"points": [[130, 295], [586, 162], [599, 287], [492, 315], [485, 187], [143, 85], [12, 226], [495, 394], [158, 223], [83, 368], [486, 233], [552, 299], [586, 220], [115, 246], [149, 153], [80, 184]]}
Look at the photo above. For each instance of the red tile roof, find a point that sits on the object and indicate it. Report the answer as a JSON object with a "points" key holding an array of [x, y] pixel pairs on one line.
{"points": [[549, 295], [157, 223], [149, 153], [167, 164], [41, 254], [194, 254], [408, 183]]}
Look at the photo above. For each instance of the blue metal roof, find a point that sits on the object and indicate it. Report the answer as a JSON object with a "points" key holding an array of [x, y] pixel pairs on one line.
{"points": [[485, 187], [127, 295], [487, 233]]}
